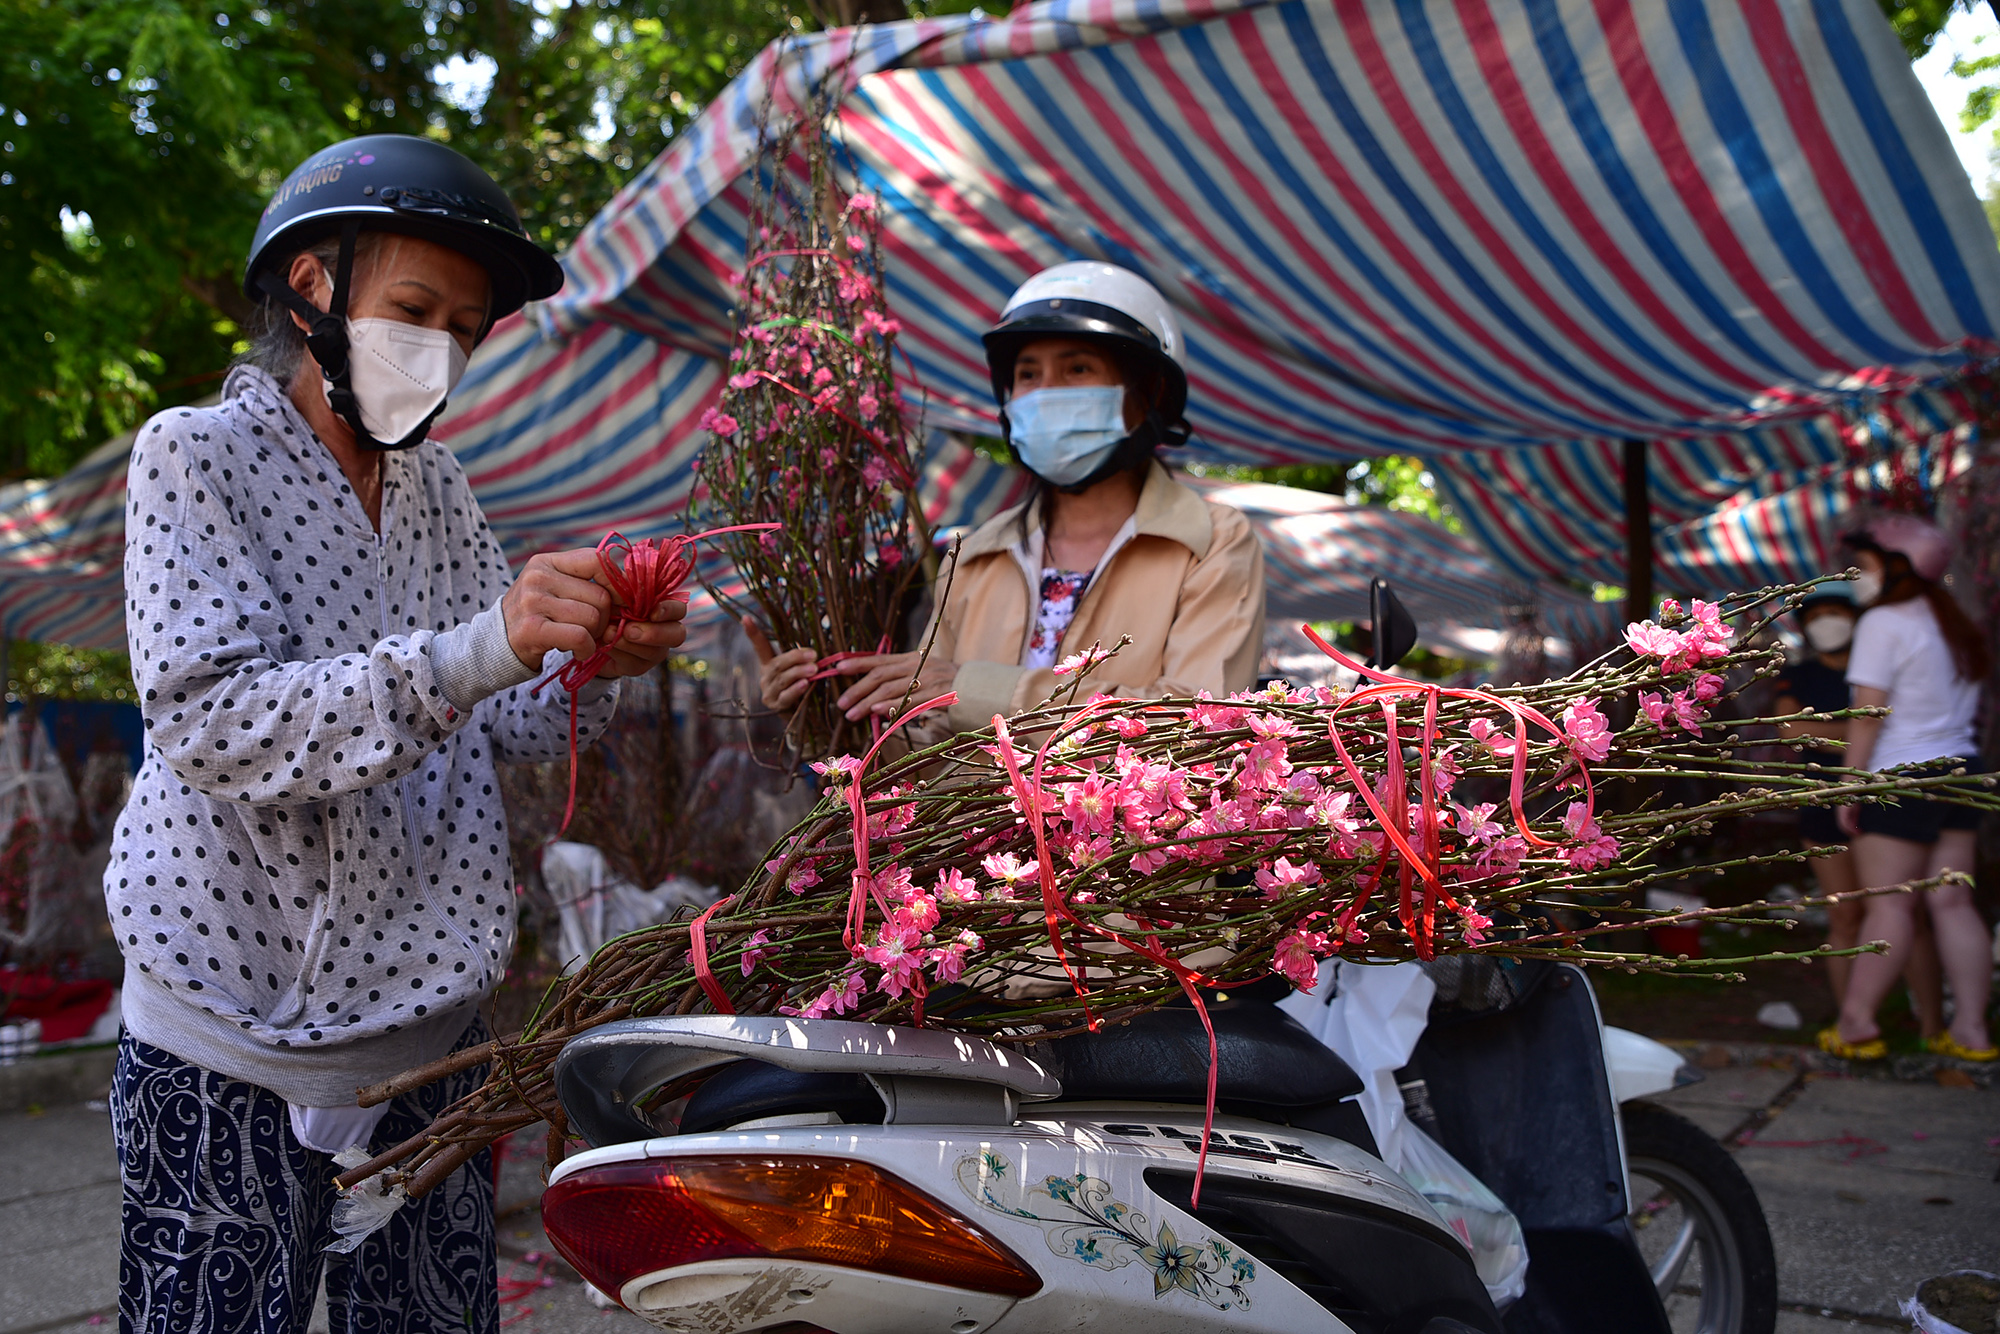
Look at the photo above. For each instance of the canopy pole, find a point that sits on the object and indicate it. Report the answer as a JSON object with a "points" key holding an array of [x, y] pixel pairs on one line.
{"points": [[1638, 534]]}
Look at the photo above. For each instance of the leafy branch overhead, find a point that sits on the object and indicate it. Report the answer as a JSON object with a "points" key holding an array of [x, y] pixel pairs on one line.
{"points": [[138, 142]]}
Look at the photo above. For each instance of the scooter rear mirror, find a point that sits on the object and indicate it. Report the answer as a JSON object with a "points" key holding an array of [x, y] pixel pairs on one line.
{"points": [[1393, 631]]}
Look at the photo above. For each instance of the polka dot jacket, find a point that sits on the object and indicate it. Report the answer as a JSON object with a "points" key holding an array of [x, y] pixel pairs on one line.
{"points": [[311, 881]]}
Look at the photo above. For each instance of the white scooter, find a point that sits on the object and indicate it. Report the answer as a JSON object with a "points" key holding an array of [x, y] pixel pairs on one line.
{"points": [[790, 1176]]}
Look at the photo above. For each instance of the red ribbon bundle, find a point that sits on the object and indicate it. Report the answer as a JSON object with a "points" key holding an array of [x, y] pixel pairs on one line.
{"points": [[863, 886], [1420, 856], [651, 576], [1426, 865]]}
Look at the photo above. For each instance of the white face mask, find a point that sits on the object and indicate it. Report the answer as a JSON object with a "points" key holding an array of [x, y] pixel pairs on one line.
{"points": [[400, 374], [1867, 588], [1830, 633], [1064, 435]]}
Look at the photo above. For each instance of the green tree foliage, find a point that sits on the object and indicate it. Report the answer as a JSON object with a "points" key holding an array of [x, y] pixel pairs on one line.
{"points": [[54, 671], [1920, 21], [1918, 25], [140, 138]]}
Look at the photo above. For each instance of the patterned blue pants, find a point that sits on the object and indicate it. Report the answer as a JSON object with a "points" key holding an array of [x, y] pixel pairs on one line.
{"points": [[227, 1216]]}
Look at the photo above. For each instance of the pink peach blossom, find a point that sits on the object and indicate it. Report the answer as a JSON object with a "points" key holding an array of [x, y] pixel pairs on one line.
{"points": [[1477, 824], [1283, 877], [1091, 805], [1297, 957], [896, 953], [839, 769], [754, 952], [1009, 870], [954, 889], [1587, 731], [1498, 741], [1592, 847]]}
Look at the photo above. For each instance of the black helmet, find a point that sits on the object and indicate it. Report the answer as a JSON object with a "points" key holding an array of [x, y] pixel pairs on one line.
{"points": [[1111, 306], [390, 183], [413, 187]]}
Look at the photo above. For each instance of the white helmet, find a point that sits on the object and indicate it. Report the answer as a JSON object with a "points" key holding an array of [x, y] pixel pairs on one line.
{"points": [[1101, 302]]}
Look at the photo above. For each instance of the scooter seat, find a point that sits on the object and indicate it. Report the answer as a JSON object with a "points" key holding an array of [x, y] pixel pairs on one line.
{"points": [[1263, 1056], [1267, 1067]]}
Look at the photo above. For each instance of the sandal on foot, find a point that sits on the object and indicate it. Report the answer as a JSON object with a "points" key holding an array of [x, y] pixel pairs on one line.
{"points": [[1830, 1042], [1944, 1044]]}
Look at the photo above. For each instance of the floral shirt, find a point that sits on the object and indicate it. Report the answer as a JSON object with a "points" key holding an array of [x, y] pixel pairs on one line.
{"points": [[1061, 591]]}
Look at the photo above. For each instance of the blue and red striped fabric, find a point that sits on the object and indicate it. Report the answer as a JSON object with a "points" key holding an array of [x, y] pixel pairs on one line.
{"points": [[1506, 234], [62, 553], [1728, 512], [1390, 227], [1472, 229]]}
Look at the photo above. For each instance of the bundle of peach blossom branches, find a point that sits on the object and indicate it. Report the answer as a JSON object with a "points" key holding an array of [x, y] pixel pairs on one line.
{"points": [[1096, 857], [810, 431]]}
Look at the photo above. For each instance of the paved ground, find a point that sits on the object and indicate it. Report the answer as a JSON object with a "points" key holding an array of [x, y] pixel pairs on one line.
{"points": [[1870, 1186]]}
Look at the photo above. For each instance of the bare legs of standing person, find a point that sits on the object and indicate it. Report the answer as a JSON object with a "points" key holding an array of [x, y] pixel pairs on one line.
{"points": [[1921, 970], [1924, 973], [1963, 944], [1835, 875]]}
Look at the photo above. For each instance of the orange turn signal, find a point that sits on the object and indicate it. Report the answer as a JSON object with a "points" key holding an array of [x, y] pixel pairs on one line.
{"points": [[622, 1220]]}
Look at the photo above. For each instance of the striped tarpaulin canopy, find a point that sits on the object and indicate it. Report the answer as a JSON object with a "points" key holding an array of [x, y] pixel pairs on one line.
{"points": [[62, 553], [1728, 512], [562, 440], [1457, 228], [60, 569]]}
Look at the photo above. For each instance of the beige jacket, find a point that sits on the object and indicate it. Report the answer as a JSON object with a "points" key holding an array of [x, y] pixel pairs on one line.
{"points": [[1187, 585]]}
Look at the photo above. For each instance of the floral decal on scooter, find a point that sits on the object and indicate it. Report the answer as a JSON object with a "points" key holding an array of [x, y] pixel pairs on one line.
{"points": [[1080, 1220]]}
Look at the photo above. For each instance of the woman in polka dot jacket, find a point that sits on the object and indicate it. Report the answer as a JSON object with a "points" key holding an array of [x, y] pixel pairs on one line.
{"points": [[311, 882]]}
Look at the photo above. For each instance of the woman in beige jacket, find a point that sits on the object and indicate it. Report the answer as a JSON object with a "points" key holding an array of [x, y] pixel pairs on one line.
{"points": [[1086, 365]]}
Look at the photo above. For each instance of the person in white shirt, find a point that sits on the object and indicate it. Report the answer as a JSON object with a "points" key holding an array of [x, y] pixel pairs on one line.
{"points": [[1916, 652]]}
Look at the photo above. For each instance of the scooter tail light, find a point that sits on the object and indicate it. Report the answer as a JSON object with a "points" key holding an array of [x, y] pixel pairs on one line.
{"points": [[617, 1222]]}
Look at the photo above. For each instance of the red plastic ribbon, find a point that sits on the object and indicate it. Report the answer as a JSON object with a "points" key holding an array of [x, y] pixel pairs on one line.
{"points": [[829, 666], [651, 576], [1056, 909], [1427, 865], [857, 900], [698, 948]]}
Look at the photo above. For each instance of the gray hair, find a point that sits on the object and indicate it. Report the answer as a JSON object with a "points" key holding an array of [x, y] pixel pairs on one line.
{"points": [[276, 342]]}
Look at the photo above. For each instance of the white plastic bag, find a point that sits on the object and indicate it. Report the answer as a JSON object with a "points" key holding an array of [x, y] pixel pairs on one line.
{"points": [[359, 1213], [1372, 1016], [1474, 1214], [594, 905]]}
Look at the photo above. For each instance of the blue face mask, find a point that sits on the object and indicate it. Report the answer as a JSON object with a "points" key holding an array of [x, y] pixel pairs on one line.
{"points": [[1064, 435]]}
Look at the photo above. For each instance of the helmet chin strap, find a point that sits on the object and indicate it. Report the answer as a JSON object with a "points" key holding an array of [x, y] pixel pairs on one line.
{"points": [[326, 339]]}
